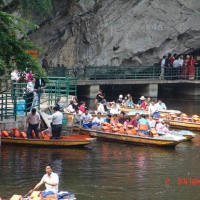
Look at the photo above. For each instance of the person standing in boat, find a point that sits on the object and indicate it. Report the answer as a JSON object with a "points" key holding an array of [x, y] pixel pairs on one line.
{"points": [[33, 123], [56, 124], [160, 105], [100, 96], [51, 181]]}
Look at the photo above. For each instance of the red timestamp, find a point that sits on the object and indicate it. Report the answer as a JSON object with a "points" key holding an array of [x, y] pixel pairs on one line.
{"points": [[184, 181]]}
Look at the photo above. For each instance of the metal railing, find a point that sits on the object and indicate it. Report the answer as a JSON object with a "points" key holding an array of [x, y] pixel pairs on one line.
{"points": [[19, 101], [124, 72], [8, 106]]}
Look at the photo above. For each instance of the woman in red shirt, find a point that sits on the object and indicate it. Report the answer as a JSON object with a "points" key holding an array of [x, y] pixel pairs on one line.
{"points": [[191, 68]]}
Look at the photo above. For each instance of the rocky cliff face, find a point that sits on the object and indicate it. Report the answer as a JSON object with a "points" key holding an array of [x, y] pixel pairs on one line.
{"points": [[119, 32]]}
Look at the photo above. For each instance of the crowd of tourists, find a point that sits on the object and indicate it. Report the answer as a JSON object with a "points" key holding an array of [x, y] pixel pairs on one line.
{"points": [[177, 67], [112, 113]]}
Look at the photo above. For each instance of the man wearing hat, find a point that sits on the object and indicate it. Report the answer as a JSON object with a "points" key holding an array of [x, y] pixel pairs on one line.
{"points": [[142, 98]]}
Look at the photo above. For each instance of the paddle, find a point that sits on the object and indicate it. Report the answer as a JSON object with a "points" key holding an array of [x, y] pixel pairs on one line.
{"points": [[27, 193]]}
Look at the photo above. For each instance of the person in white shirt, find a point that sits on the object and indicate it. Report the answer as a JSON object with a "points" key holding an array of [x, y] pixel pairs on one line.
{"points": [[160, 105], [86, 119], [30, 94], [180, 65], [33, 122], [162, 68], [180, 61], [101, 107], [15, 75], [115, 109], [77, 116], [152, 110], [176, 63], [51, 181], [70, 107], [56, 123], [97, 120]]}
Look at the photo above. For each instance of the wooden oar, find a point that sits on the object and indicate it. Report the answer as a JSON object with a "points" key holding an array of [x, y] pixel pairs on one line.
{"points": [[27, 194]]}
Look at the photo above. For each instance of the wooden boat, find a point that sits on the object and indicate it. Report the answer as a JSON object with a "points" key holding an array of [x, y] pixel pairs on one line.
{"points": [[36, 195], [132, 139], [65, 141], [145, 112], [187, 134], [184, 125]]}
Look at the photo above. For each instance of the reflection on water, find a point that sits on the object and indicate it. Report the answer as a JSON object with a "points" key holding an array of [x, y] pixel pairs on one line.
{"points": [[105, 170]]}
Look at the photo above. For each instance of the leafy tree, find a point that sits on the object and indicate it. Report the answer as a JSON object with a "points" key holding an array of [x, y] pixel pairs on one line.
{"points": [[13, 35]]}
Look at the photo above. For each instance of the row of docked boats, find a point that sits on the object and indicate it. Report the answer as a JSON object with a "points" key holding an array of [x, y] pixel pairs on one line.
{"points": [[174, 118]]}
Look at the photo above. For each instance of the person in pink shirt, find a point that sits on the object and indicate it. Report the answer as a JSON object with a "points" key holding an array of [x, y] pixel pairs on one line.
{"points": [[29, 75], [162, 127], [82, 107]]}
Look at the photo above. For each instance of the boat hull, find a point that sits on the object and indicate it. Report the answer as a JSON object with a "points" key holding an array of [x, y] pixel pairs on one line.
{"points": [[130, 139], [64, 142], [184, 125]]}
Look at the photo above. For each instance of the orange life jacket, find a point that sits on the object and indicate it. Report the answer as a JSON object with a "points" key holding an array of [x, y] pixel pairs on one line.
{"points": [[5, 134], [23, 134]]}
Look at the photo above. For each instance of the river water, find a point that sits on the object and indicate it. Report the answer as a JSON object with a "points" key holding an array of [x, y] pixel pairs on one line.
{"points": [[109, 171]]}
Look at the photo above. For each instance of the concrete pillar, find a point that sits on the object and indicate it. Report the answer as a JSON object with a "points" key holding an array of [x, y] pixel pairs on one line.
{"points": [[153, 90], [88, 91], [94, 89]]}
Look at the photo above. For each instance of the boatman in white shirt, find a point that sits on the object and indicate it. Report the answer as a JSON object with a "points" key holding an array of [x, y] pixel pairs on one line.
{"points": [[56, 124], [51, 180]]}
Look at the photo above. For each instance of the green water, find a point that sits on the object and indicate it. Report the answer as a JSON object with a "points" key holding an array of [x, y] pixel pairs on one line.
{"points": [[109, 171]]}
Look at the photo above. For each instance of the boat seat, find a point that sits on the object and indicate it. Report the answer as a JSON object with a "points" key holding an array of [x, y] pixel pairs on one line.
{"points": [[119, 125], [162, 115], [115, 130], [121, 130], [16, 197], [35, 194], [109, 126]]}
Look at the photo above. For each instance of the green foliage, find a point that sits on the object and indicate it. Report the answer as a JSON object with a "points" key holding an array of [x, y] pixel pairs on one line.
{"points": [[39, 7], [14, 40]]}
